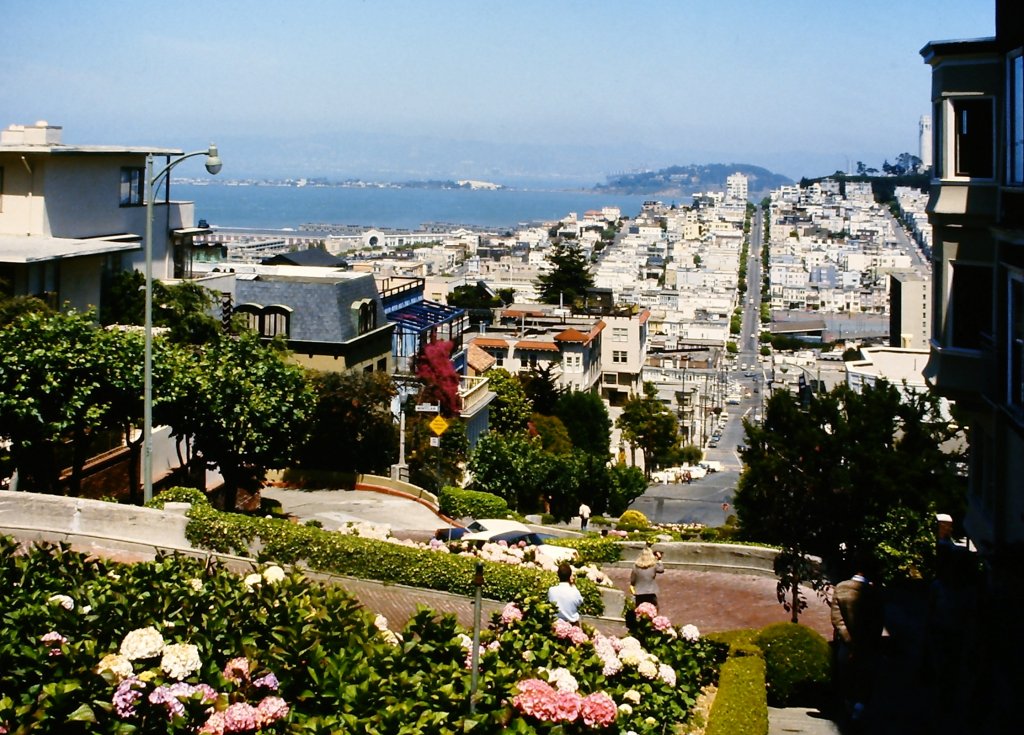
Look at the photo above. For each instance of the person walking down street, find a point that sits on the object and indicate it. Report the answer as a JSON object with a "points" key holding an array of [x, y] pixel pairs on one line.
{"points": [[643, 579], [584, 516], [857, 618], [564, 595]]}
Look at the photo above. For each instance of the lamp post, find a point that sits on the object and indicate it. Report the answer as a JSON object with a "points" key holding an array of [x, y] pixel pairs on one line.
{"points": [[213, 165]]}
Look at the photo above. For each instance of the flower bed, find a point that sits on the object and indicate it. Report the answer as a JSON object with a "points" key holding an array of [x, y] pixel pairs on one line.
{"points": [[179, 645]]}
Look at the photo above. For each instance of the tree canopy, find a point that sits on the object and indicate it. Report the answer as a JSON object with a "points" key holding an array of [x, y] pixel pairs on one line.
{"points": [[569, 278], [586, 419], [511, 408], [648, 423]]}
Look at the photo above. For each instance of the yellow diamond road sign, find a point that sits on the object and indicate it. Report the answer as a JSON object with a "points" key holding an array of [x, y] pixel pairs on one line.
{"points": [[438, 425]]}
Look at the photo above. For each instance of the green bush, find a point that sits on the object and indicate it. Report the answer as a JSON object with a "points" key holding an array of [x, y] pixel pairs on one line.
{"points": [[740, 705], [365, 558], [592, 549], [798, 663], [457, 502], [633, 520], [179, 495]]}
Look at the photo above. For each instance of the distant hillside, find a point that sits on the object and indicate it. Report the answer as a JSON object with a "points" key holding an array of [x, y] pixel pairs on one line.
{"points": [[686, 180]]}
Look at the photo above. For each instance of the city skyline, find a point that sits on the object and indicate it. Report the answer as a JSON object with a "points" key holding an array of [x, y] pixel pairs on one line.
{"points": [[561, 92]]}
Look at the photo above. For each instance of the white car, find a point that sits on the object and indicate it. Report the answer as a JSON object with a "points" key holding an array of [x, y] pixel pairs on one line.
{"points": [[513, 532]]}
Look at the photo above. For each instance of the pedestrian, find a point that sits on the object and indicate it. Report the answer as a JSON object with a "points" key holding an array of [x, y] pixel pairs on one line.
{"points": [[857, 620], [564, 595], [643, 582], [584, 516]]}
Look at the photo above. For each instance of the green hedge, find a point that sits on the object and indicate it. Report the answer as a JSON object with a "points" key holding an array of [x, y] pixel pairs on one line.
{"points": [[740, 707], [456, 502], [799, 664], [364, 558], [592, 549]]}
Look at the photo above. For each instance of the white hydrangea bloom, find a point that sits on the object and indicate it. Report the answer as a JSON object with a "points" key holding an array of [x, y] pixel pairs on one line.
{"points": [[690, 632], [648, 669], [625, 709], [180, 660], [253, 579], [632, 695], [63, 600], [562, 679], [196, 584], [273, 574], [142, 643], [116, 664]]}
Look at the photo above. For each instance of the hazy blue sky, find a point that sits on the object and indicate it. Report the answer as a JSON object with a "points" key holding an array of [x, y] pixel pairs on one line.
{"points": [[567, 90]]}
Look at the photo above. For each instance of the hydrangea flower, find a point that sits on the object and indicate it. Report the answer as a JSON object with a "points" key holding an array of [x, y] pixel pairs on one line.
{"points": [[268, 681], [270, 710], [168, 698], [180, 660], [511, 614], [126, 696], [117, 665], [63, 600], [237, 670], [214, 725], [598, 710], [253, 580], [646, 610], [632, 695], [562, 679], [239, 717], [690, 633], [667, 674], [566, 630], [142, 643], [273, 574], [196, 584], [53, 637]]}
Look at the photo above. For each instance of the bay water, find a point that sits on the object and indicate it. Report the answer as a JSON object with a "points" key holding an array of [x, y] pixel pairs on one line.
{"points": [[289, 207]]}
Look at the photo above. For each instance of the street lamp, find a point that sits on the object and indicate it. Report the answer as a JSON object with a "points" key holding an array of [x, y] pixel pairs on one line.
{"points": [[213, 165]]}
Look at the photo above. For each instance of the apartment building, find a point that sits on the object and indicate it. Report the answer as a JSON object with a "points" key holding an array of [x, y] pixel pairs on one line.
{"points": [[976, 210], [72, 214]]}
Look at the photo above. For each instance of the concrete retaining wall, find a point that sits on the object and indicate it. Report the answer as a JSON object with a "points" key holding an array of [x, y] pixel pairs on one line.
{"points": [[732, 558]]}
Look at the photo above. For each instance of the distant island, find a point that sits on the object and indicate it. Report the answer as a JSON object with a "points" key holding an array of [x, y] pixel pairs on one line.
{"points": [[686, 180]]}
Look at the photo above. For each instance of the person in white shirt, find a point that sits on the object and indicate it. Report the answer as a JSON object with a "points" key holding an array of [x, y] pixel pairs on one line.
{"points": [[564, 595], [584, 516]]}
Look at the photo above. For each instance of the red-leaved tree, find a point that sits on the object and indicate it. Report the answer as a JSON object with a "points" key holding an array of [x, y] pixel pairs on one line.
{"points": [[440, 381]]}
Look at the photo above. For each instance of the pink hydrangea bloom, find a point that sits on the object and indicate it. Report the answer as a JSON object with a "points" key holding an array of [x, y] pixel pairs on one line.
{"points": [[214, 725], [237, 670], [126, 696], [646, 610], [566, 630], [598, 710], [567, 706], [270, 710], [168, 697], [536, 698], [511, 613], [53, 637], [662, 623], [239, 717], [268, 681]]}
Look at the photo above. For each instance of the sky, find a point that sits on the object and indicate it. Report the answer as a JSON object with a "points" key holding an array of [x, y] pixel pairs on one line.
{"points": [[564, 92]]}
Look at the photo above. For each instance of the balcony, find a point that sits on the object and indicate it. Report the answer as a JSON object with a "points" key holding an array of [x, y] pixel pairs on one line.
{"points": [[473, 395]]}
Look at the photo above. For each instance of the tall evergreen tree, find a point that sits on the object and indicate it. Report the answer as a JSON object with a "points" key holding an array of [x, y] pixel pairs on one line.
{"points": [[570, 277]]}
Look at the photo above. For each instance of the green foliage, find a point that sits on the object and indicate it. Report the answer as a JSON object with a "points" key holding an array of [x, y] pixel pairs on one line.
{"points": [[798, 664], [456, 502], [511, 408], [179, 495], [552, 433], [472, 297], [357, 406], [626, 484], [366, 558], [647, 423], [633, 520], [569, 278], [853, 468], [732, 348], [735, 324], [513, 467], [691, 454], [592, 549], [740, 705], [765, 350], [585, 417]]}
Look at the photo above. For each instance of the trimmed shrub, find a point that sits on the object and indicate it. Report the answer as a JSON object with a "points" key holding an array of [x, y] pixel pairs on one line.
{"points": [[457, 502], [179, 495], [633, 520], [365, 558], [740, 705], [798, 661], [592, 549]]}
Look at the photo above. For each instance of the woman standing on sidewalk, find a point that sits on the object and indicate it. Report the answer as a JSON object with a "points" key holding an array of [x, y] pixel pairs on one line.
{"points": [[643, 581]]}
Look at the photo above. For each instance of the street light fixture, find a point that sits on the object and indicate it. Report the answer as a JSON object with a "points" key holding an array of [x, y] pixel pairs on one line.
{"points": [[213, 165]]}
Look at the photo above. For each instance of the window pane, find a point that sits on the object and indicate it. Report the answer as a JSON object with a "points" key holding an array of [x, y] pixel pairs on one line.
{"points": [[974, 133], [970, 305], [1015, 327], [1017, 120]]}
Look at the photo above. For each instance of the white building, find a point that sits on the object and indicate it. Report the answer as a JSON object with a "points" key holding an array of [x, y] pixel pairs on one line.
{"points": [[736, 187]]}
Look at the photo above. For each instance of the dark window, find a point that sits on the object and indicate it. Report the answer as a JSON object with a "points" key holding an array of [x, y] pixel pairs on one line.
{"points": [[1015, 338], [382, 365], [974, 137], [970, 306], [132, 186], [1016, 172]]}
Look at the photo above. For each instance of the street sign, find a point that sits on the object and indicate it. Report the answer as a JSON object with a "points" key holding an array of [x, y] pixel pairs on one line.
{"points": [[428, 407], [435, 441], [438, 425]]}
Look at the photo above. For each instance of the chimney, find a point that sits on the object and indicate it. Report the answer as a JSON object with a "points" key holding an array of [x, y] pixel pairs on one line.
{"points": [[42, 133]]}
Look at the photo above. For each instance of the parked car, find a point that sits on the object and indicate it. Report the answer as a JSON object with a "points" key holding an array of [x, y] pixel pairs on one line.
{"points": [[513, 532], [483, 525]]}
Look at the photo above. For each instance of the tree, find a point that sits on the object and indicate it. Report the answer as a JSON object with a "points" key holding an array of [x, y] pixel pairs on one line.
{"points": [[554, 439], [434, 367], [185, 308], [849, 466], [569, 278], [433, 467], [352, 428], [239, 406], [512, 466], [50, 391], [585, 417], [541, 388], [647, 423], [511, 408]]}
